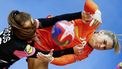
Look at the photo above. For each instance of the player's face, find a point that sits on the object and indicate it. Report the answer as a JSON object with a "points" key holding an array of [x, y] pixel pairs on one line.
{"points": [[101, 41]]}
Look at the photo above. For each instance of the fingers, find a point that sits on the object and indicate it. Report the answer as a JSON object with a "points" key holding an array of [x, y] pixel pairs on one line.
{"points": [[94, 22], [43, 56], [78, 49], [40, 55], [47, 57]]}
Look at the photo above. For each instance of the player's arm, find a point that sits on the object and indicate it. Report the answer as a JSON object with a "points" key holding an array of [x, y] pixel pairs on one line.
{"points": [[69, 58], [63, 60], [46, 22], [32, 52], [91, 14]]}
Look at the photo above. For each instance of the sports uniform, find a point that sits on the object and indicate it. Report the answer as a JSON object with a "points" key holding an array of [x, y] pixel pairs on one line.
{"points": [[12, 48], [83, 32]]}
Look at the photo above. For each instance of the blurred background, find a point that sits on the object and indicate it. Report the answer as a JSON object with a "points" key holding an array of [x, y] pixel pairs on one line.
{"points": [[112, 20]]}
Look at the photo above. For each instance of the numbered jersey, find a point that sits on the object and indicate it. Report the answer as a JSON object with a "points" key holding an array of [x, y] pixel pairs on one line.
{"points": [[83, 32], [11, 48]]}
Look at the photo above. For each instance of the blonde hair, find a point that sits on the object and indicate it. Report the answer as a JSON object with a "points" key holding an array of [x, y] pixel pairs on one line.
{"points": [[116, 44]]}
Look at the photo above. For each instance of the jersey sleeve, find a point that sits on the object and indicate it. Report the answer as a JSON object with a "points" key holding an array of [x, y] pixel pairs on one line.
{"points": [[64, 60], [71, 58], [31, 51], [68, 59], [46, 22]]}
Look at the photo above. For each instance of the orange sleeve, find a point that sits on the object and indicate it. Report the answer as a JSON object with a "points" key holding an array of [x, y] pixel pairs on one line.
{"points": [[68, 59], [64, 60], [71, 58], [90, 6]]}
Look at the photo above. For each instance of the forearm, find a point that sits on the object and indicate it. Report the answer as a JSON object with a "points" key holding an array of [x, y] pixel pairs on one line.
{"points": [[71, 58], [46, 22], [55, 53], [64, 60], [68, 59], [63, 52]]}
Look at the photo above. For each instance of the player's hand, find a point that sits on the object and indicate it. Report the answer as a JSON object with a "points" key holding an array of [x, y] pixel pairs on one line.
{"points": [[96, 18], [47, 57], [78, 49], [92, 19]]}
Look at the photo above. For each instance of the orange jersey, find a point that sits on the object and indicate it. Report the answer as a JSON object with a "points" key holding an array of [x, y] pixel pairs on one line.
{"points": [[83, 33], [70, 58], [46, 42]]}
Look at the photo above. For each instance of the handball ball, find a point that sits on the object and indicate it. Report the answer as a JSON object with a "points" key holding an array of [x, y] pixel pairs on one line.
{"points": [[63, 33]]}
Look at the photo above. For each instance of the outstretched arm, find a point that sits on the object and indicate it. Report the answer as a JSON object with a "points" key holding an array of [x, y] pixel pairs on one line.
{"points": [[32, 52], [46, 22], [65, 59]]}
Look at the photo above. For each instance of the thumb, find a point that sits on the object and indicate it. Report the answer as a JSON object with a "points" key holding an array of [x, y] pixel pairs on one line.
{"points": [[51, 52]]}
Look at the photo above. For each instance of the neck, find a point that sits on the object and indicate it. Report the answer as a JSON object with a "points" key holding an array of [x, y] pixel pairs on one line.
{"points": [[90, 42], [90, 45]]}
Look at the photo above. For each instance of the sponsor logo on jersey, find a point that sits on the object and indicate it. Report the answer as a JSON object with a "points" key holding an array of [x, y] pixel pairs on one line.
{"points": [[29, 49]]}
